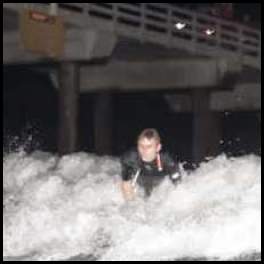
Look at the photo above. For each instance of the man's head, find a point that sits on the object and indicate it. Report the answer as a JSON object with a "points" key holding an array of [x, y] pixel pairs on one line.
{"points": [[148, 144]]}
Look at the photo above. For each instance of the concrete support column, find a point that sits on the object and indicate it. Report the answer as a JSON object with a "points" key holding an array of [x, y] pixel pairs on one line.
{"points": [[103, 119], [259, 117], [69, 79], [207, 129]]}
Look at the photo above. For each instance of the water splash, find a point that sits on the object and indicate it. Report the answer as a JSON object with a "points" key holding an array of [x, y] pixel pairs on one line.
{"points": [[71, 207]]}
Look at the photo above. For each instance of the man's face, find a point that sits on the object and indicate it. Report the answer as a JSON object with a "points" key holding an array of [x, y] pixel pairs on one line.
{"points": [[148, 148]]}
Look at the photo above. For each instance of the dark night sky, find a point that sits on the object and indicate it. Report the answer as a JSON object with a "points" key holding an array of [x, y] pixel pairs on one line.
{"points": [[239, 10], [253, 9]]}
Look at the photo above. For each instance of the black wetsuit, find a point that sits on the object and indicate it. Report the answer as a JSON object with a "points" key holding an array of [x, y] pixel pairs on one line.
{"points": [[150, 173]]}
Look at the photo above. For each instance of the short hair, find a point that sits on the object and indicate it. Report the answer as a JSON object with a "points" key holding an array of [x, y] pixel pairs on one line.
{"points": [[149, 133]]}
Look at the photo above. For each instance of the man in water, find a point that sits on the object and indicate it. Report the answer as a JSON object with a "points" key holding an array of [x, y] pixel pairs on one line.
{"points": [[147, 166]]}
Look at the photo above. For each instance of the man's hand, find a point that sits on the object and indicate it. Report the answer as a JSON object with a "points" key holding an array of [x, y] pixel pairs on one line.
{"points": [[176, 177], [128, 190]]}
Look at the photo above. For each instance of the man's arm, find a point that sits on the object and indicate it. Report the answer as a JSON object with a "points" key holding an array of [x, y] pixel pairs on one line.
{"points": [[128, 171]]}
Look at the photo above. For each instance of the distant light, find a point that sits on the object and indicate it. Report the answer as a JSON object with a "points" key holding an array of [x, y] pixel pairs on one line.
{"points": [[180, 25], [209, 32]]}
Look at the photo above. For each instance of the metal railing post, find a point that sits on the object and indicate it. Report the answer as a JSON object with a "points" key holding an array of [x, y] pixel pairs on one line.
{"points": [[143, 21], [170, 27], [194, 32], [54, 9]]}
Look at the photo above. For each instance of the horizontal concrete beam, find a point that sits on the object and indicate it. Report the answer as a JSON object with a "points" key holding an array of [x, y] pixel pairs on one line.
{"points": [[156, 74], [80, 45], [244, 97]]}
